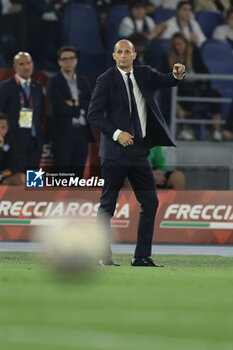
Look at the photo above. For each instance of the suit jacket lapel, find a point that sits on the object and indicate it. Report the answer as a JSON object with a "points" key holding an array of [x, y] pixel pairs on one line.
{"points": [[139, 80], [64, 83], [142, 87], [121, 85], [33, 92]]}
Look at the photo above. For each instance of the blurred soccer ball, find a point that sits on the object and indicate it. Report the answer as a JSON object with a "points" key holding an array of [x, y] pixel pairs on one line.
{"points": [[72, 245]]}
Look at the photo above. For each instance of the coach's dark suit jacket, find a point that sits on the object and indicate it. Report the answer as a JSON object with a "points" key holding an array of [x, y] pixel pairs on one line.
{"points": [[109, 108], [58, 92], [10, 105]]}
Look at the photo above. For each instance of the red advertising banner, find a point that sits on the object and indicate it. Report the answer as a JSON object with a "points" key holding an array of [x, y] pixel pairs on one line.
{"points": [[183, 216]]}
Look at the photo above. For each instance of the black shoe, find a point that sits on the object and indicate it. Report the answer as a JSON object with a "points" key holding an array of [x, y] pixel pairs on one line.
{"points": [[104, 263], [144, 262]]}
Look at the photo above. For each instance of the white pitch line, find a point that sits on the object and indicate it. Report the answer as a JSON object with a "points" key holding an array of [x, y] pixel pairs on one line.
{"points": [[98, 339]]}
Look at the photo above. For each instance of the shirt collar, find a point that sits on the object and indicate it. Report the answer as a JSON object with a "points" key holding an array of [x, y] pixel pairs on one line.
{"points": [[23, 81], [67, 79], [123, 72]]}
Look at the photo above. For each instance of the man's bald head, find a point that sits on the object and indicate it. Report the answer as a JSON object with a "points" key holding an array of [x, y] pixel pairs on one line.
{"points": [[23, 64], [20, 54], [124, 54], [124, 41]]}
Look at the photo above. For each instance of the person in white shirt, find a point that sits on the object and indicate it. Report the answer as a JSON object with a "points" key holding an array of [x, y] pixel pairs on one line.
{"points": [[7, 7], [212, 5], [183, 22], [171, 4], [12, 27], [225, 31], [139, 22]]}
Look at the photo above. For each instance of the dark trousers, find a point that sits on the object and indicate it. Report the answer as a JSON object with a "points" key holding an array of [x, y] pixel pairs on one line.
{"points": [[141, 177], [29, 154], [70, 154]]}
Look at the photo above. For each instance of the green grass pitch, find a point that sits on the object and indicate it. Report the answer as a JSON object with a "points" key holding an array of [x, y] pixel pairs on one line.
{"points": [[187, 306]]}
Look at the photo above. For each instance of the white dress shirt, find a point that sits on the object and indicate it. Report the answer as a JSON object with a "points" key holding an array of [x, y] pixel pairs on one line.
{"points": [[73, 86], [23, 81], [140, 102], [223, 33]]}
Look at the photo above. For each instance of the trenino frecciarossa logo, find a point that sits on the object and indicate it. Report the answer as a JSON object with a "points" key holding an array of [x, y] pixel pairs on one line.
{"points": [[198, 216]]}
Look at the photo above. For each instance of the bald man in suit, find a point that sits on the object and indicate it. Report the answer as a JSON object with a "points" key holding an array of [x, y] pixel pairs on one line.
{"points": [[123, 107], [22, 100]]}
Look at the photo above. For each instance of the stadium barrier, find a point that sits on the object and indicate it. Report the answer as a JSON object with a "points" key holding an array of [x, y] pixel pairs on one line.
{"points": [[183, 216], [175, 98]]}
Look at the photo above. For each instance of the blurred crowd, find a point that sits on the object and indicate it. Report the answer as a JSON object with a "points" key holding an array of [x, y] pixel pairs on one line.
{"points": [[30, 36], [35, 25]]}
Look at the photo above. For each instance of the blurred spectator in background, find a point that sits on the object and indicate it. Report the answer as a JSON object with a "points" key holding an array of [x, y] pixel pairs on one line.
{"points": [[102, 7], [69, 94], [171, 4], [225, 31], [22, 100], [183, 22], [43, 30], [154, 4], [213, 5], [9, 7], [228, 127], [88, 2], [164, 178], [9, 161], [140, 41], [182, 51], [12, 27], [139, 22]]}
